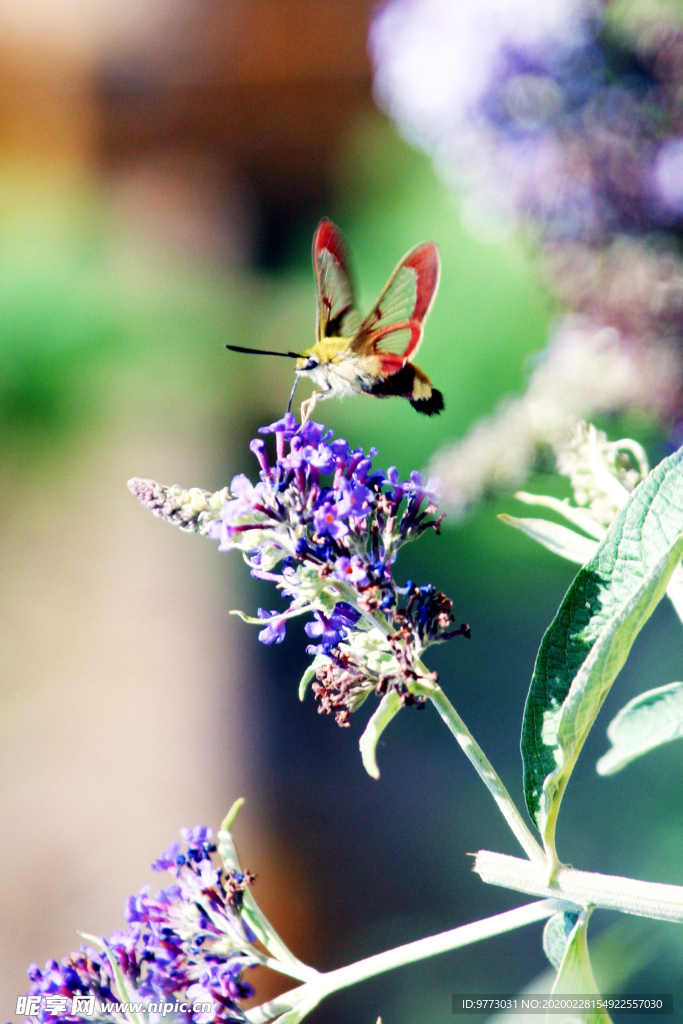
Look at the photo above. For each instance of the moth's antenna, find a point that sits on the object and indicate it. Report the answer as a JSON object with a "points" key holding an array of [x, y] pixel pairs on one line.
{"points": [[263, 352], [289, 403]]}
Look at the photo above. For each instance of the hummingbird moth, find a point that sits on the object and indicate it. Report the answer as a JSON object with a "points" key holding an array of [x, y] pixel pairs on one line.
{"points": [[369, 355]]}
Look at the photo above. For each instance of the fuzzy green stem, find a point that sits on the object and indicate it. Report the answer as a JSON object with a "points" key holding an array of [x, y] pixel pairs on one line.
{"points": [[410, 953], [656, 900], [486, 772]]}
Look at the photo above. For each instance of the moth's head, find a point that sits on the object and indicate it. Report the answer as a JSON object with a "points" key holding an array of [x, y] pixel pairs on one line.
{"points": [[307, 362]]}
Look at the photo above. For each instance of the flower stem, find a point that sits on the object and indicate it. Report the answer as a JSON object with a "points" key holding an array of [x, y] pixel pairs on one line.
{"points": [[469, 745], [486, 772], [455, 938], [612, 892], [410, 953]]}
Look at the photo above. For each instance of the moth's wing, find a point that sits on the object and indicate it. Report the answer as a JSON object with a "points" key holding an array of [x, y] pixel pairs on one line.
{"points": [[393, 328], [337, 315]]}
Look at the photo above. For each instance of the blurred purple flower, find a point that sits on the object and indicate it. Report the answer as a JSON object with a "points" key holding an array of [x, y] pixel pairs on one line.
{"points": [[563, 117], [187, 942]]}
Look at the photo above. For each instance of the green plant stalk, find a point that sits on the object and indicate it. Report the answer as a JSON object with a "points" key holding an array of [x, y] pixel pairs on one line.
{"points": [[468, 744], [486, 772], [455, 938], [611, 892]]}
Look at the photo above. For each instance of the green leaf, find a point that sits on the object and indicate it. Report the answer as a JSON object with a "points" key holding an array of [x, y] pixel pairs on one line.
{"points": [[556, 538], [575, 976], [646, 722], [580, 517], [251, 912], [389, 706], [556, 936], [229, 819], [307, 678], [588, 642]]}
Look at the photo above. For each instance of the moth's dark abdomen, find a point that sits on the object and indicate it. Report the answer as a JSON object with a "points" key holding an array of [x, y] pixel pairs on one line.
{"points": [[411, 383], [399, 384], [431, 406]]}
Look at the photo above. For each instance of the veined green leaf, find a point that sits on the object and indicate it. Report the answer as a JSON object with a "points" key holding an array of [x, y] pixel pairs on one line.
{"points": [[556, 538], [575, 976], [646, 722], [588, 642], [576, 548], [389, 706]]}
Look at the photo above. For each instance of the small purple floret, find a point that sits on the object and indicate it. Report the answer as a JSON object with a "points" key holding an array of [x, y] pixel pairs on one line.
{"points": [[350, 570], [328, 521], [274, 632]]}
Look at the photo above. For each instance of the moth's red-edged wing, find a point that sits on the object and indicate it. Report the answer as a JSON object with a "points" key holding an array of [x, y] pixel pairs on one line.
{"points": [[337, 315], [394, 327]]}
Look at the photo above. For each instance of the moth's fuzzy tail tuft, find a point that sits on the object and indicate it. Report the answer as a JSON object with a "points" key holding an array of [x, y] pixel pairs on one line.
{"points": [[431, 406]]}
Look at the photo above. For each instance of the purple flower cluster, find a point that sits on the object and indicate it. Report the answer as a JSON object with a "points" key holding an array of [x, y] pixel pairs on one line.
{"points": [[83, 973], [186, 945], [563, 117], [325, 527], [573, 121]]}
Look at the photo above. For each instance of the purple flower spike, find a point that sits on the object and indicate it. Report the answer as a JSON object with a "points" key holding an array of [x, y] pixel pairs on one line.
{"points": [[339, 448], [246, 497], [321, 458], [200, 834], [328, 523], [355, 501], [274, 632], [187, 943], [258, 447], [167, 859], [320, 517], [431, 490], [287, 426], [350, 570], [312, 433]]}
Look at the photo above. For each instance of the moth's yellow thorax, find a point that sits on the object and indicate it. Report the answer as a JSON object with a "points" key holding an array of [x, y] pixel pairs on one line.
{"points": [[325, 351]]}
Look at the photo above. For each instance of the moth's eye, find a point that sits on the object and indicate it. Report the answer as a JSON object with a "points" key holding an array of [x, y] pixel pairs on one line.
{"points": [[312, 363]]}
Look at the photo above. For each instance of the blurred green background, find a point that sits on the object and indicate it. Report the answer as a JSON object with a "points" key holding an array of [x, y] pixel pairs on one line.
{"points": [[162, 176]]}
